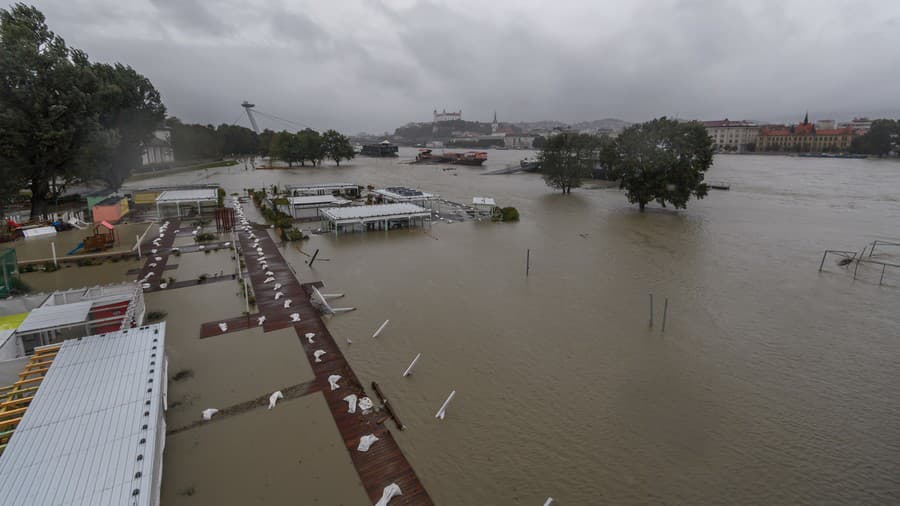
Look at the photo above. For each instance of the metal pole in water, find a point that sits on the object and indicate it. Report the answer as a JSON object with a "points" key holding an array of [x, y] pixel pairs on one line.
{"points": [[651, 309], [138, 237], [383, 325], [823, 260], [441, 412], [53, 249], [313, 259], [411, 364], [882, 274], [527, 261], [856, 269], [665, 312]]}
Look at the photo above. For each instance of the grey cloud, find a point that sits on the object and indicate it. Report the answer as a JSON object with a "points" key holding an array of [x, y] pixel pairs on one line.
{"points": [[377, 65]]}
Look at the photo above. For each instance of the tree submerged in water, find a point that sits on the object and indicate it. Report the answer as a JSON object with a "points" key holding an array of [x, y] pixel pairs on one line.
{"points": [[566, 159], [661, 160]]}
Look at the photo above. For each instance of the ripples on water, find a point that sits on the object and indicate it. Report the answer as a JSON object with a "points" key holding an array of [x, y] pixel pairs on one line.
{"points": [[772, 383]]}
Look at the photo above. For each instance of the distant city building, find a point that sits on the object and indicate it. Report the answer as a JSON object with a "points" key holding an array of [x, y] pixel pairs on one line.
{"points": [[446, 116], [518, 141], [734, 136], [859, 125], [159, 148], [805, 138], [825, 124]]}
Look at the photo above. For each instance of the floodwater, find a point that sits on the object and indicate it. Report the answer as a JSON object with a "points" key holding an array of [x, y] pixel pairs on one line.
{"points": [[772, 383]]}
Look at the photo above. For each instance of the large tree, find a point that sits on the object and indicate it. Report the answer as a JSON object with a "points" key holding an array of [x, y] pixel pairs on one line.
{"points": [[130, 111], [287, 147], [879, 140], [566, 159], [194, 142], [311, 146], [662, 160], [337, 146], [237, 140], [47, 114]]}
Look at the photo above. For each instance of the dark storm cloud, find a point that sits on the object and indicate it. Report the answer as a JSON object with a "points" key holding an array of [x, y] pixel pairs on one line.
{"points": [[376, 65]]}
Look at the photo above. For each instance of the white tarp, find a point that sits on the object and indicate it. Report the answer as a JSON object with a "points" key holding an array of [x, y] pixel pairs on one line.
{"points": [[32, 233]]}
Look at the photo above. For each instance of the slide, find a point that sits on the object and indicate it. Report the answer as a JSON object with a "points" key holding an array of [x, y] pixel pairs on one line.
{"points": [[80, 245]]}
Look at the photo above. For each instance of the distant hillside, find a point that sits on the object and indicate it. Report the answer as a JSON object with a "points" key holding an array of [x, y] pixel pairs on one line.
{"points": [[599, 124], [602, 124]]}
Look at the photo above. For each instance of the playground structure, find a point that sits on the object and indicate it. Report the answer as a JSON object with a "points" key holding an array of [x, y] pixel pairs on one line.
{"points": [[103, 238]]}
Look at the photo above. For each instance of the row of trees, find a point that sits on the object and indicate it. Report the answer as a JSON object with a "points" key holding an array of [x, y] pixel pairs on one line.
{"points": [[310, 146], [199, 142], [65, 119], [661, 160], [882, 139]]}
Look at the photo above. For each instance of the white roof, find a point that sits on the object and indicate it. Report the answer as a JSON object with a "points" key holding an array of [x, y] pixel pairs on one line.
{"points": [[397, 196], [90, 435], [187, 195], [321, 186], [31, 233], [55, 316], [362, 213], [483, 201], [313, 200]]}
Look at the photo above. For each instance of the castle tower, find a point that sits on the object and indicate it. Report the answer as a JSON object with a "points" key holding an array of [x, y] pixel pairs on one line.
{"points": [[495, 126]]}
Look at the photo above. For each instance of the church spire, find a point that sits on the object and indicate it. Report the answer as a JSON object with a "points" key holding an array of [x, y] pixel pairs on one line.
{"points": [[806, 118]]}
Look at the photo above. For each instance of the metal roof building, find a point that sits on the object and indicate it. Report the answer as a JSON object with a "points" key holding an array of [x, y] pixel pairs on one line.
{"points": [[307, 206], [378, 217], [186, 202], [40, 320], [94, 431], [348, 189], [398, 194]]}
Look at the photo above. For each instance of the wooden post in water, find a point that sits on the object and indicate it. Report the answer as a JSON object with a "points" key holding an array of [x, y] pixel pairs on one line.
{"points": [[823, 260], [651, 309], [856, 268], [313, 259], [138, 236], [883, 266], [53, 249], [527, 261], [665, 312]]}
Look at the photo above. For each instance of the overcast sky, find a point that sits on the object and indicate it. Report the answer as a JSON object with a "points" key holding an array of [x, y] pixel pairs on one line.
{"points": [[375, 65]]}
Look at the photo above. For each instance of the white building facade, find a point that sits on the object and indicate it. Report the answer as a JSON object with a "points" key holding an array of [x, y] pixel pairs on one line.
{"points": [[159, 148], [732, 136]]}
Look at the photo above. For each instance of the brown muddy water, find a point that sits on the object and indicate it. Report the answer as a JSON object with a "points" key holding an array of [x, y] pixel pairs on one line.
{"points": [[773, 383]]}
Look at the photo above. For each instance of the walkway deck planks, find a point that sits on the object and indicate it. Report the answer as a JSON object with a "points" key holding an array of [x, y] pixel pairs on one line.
{"points": [[384, 463]]}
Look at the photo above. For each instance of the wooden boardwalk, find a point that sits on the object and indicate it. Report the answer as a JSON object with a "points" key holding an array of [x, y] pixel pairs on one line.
{"points": [[157, 267], [384, 463]]}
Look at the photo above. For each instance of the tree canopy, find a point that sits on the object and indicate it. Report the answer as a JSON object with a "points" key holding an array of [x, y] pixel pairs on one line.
{"points": [[661, 160], [882, 138], [337, 147], [64, 119], [568, 158]]}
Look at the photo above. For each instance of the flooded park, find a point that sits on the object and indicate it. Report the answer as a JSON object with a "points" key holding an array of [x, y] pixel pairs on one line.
{"points": [[769, 381]]}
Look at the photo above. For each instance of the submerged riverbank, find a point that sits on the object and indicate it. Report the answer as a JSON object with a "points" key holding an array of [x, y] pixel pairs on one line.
{"points": [[772, 382]]}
